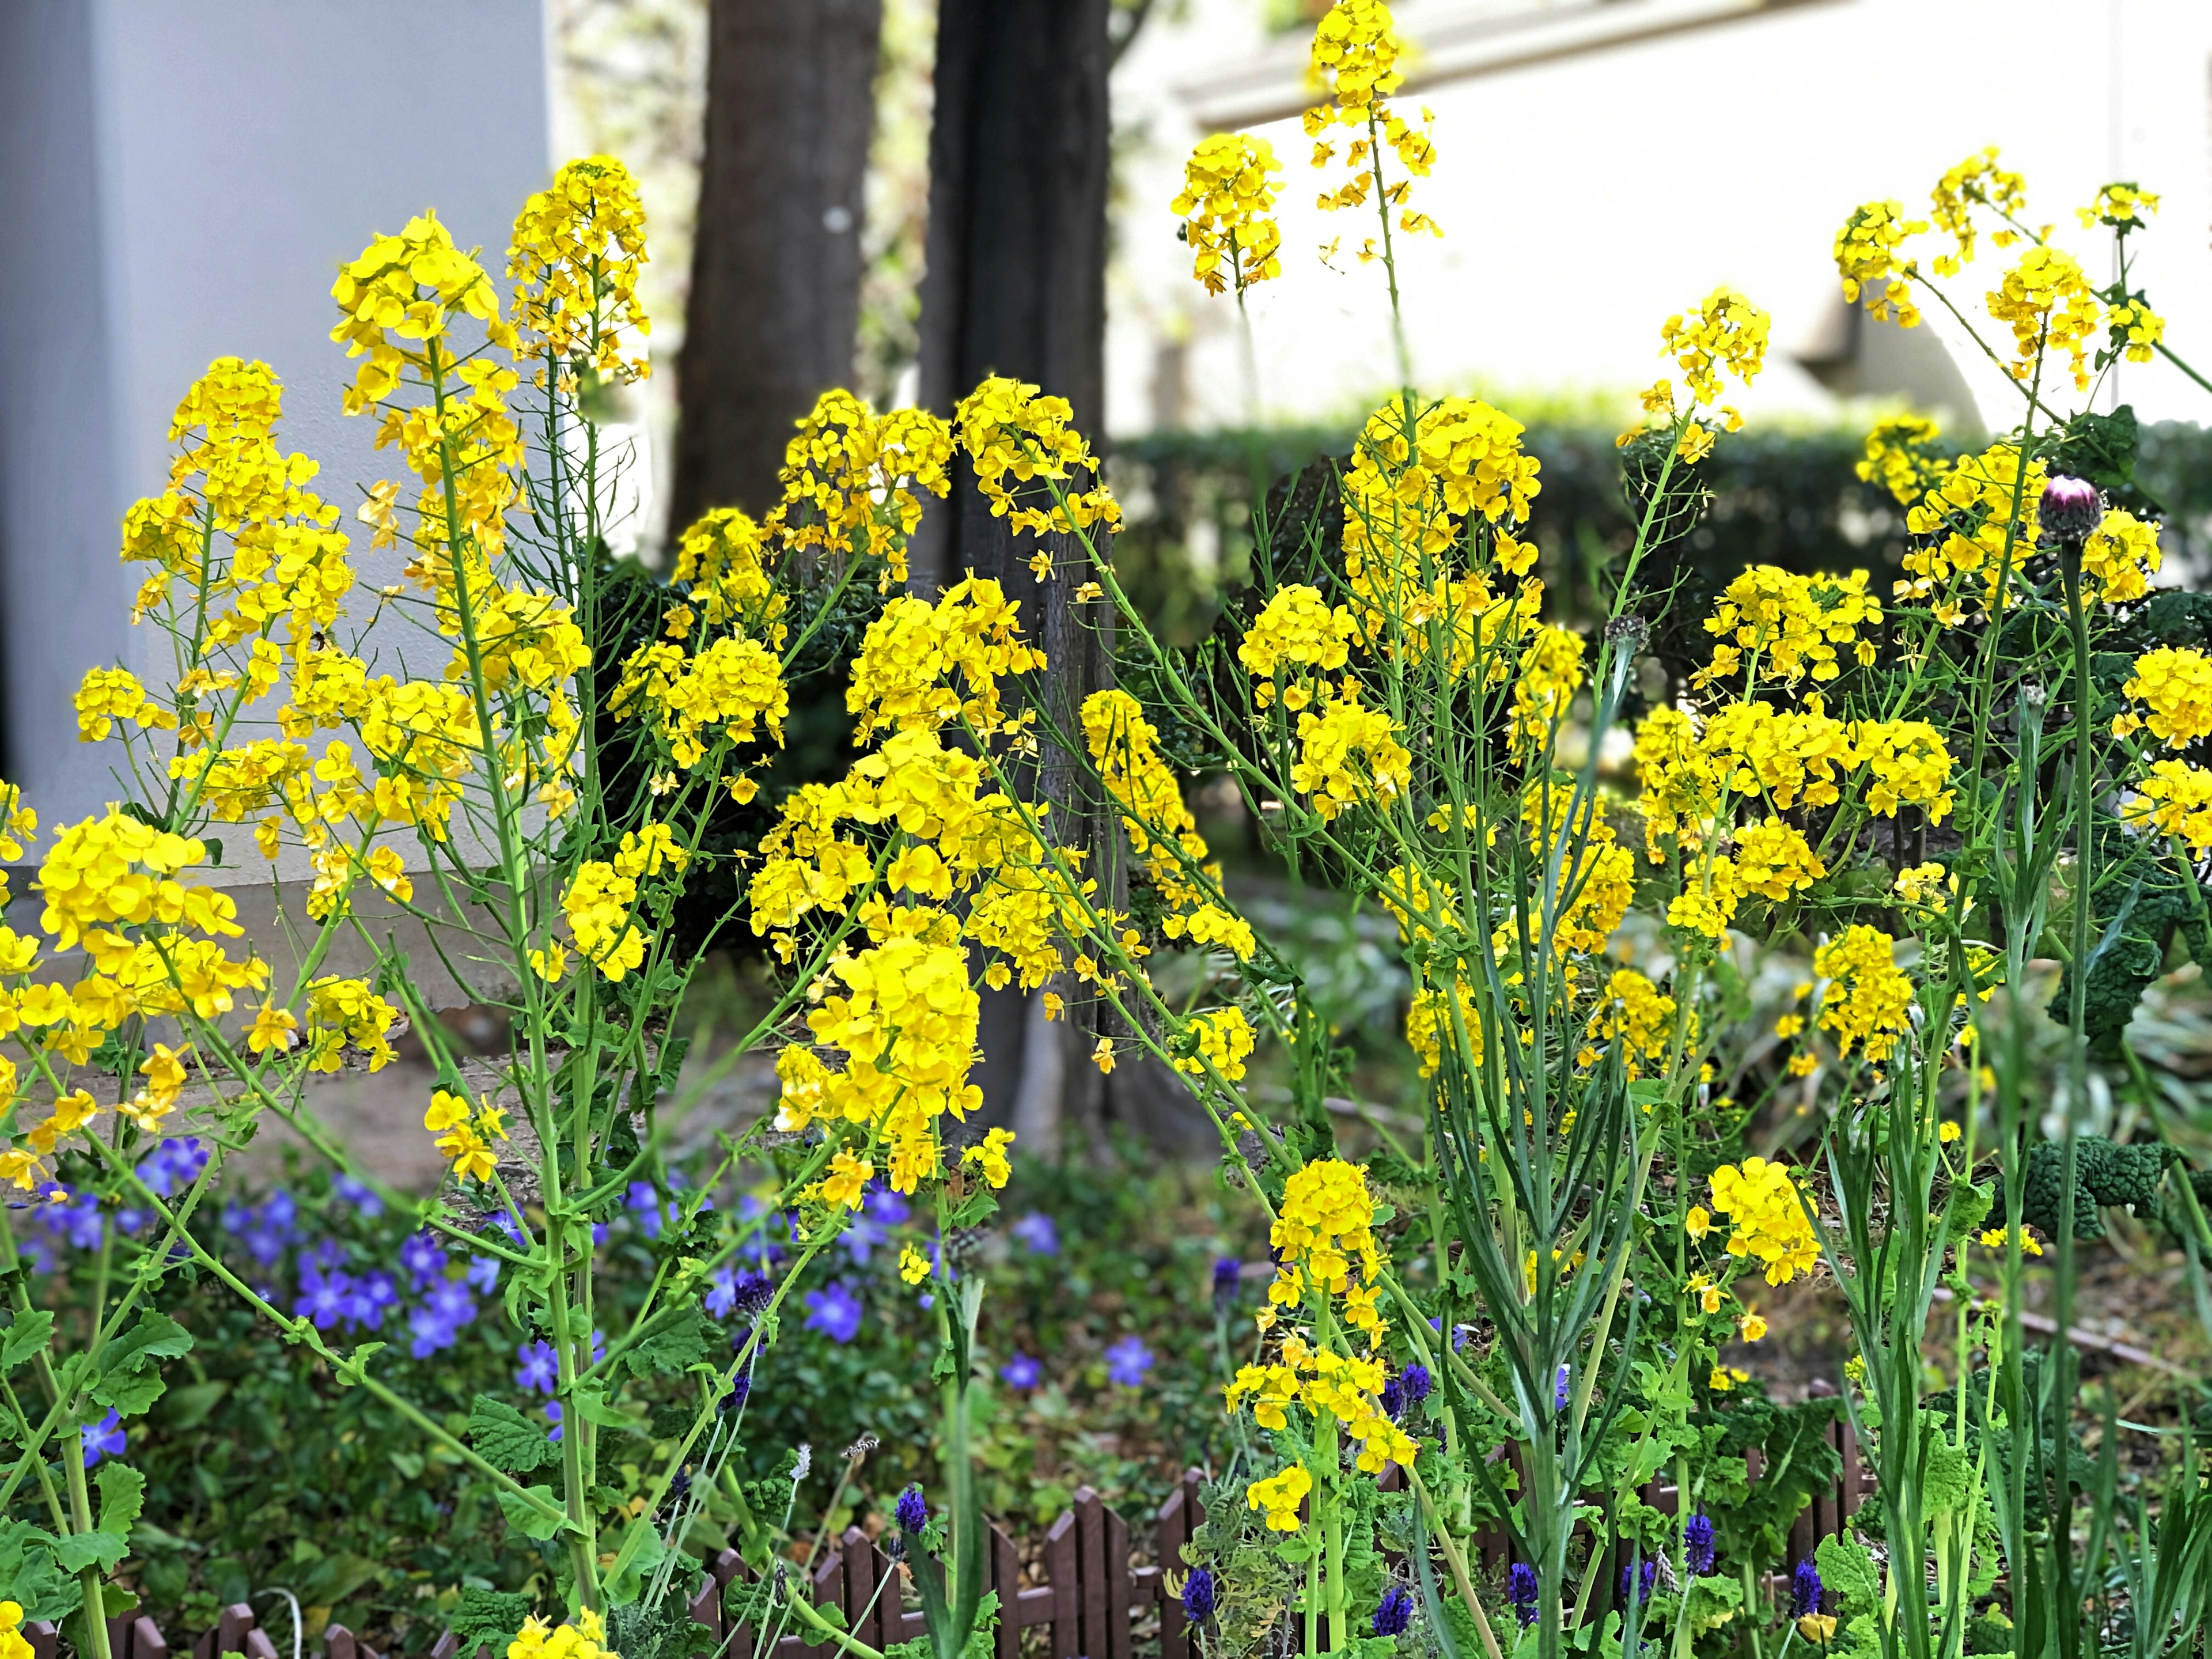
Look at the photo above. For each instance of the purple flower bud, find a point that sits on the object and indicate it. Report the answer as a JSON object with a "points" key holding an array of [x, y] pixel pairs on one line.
{"points": [[913, 1514], [1199, 1595], [1636, 1588], [1804, 1590], [2070, 509], [1395, 1612], [1415, 1378], [1228, 1274], [1697, 1544], [1521, 1589], [1392, 1399], [1559, 1388]]}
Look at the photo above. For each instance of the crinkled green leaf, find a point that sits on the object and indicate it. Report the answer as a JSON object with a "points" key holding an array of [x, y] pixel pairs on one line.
{"points": [[508, 1440], [25, 1337], [526, 1518]]}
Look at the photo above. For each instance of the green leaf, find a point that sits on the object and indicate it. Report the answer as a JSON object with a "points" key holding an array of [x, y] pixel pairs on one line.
{"points": [[25, 1337], [122, 1497], [86, 1548], [1711, 1602], [487, 1617], [1847, 1569], [1946, 1480], [151, 1336], [641, 1553], [591, 1406], [129, 1393], [508, 1440], [527, 1518], [681, 1343], [32, 1575], [353, 1370]]}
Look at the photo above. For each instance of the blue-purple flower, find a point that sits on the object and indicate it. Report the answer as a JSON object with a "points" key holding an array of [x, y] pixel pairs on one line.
{"points": [[1199, 1595], [358, 1194], [1395, 1612], [422, 1260], [913, 1513], [102, 1440], [1805, 1587], [835, 1311], [1037, 1233], [1128, 1360], [540, 1368], [173, 1165], [1521, 1589], [1559, 1385], [1636, 1588], [1415, 1378], [1697, 1544], [1022, 1373]]}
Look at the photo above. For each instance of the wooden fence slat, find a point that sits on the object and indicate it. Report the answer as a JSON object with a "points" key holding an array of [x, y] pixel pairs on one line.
{"points": [[1117, 1579], [1060, 1570], [1090, 1573], [1171, 1532], [729, 1567], [1006, 1577], [147, 1641], [46, 1639]]}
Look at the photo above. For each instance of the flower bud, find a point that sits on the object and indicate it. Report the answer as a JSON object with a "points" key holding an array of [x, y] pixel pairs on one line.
{"points": [[2071, 509]]}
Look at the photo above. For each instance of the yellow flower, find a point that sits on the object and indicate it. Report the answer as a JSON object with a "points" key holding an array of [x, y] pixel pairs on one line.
{"points": [[991, 1156], [1280, 1495], [1725, 1377], [1102, 1056], [1219, 1036], [1227, 204], [1870, 998], [847, 1180], [2174, 683], [1727, 332], [1996, 1238], [12, 1643], [914, 1266], [1948, 1133], [71, 1113], [1866, 253], [584, 1639], [2176, 798], [1754, 1327], [1700, 1222], [273, 1030], [1767, 1217]]}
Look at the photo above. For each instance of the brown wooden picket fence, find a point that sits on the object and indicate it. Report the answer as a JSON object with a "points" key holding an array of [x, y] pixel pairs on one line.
{"points": [[1079, 1585]]}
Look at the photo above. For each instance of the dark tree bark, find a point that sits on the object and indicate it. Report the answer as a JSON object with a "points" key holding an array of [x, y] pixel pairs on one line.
{"points": [[1016, 284], [1015, 278], [776, 267]]}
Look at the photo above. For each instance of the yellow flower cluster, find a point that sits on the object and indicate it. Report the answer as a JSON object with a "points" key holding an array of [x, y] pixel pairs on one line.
{"points": [[1280, 1495], [1220, 1038], [853, 480], [105, 695], [1984, 511], [2118, 559], [1007, 426], [917, 660], [1867, 259], [1550, 673], [2049, 303], [1226, 203], [2121, 207], [1868, 1000], [1297, 626], [1125, 748], [707, 704], [1726, 333], [597, 902], [2174, 685], [2133, 331], [1637, 1012], [1900, 458], [345, 1013], [1324, 1239], [1788, 625], [1332, 1387], [1977, 181], [2175, 799], [721, 562], [1596, 883], [575, 257], [586, 1638], [1907, 762], [1348, 754], [1767, 1217], [466, 1138], [1355, 59]]}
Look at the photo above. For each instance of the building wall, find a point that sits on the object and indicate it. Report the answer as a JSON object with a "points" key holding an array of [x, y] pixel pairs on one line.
{"points": [[1603, 165], [182, 178]]}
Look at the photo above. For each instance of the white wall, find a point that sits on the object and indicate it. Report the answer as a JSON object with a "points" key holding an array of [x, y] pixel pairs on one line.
{"points": [[1586, 196], [180, 181]]}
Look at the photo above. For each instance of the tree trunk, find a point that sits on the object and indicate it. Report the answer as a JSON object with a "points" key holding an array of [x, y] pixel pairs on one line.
{"points": [[1016, 284], [776, 267]]}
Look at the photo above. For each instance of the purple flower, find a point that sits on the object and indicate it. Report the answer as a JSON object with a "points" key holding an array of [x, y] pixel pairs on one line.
{"points": [[885, 1206], [1228, 1274], [358, 1194], [35, 1255], [1395, 1611], [483, 1276], [367, 1298], [861, 1238], [172, 1165], [913, 1513], [422, 1260], [1415, 1376], [1559, 1388], [835, 1311], [102, 1440], [1636, 1588], [733, 1291], [1021, 1372], [500, 1222], [1697, 1544], [553, 1416], [2071, 509], [1199, 1595], [432, 1331], [323, 1296], [130, 1221], [541, 1367], [1805, 1584], [759, 1245], [1037, 1234], [740, 1388], [327, 1254], [1392, 1399], [76, 1221], [1128, 1360], [1522, 1590]]}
